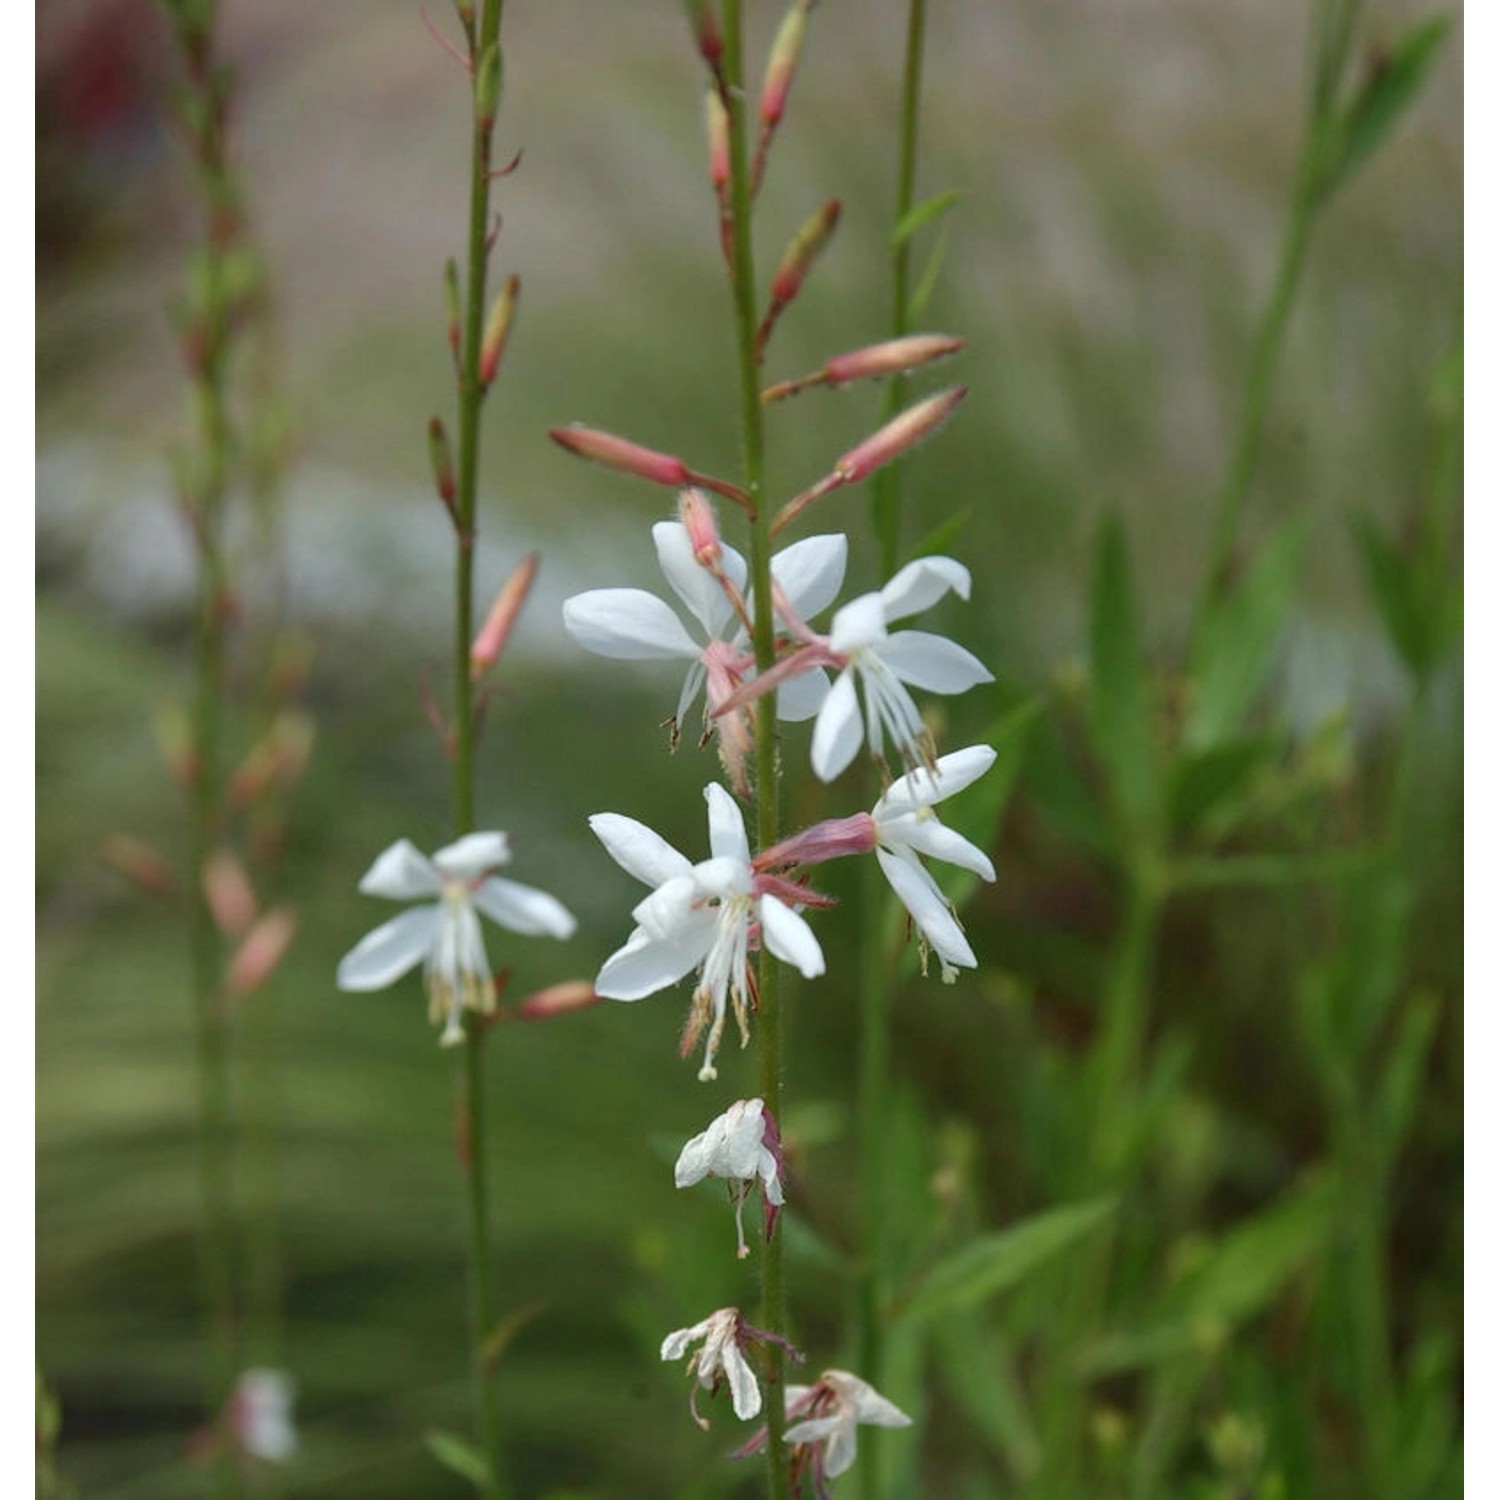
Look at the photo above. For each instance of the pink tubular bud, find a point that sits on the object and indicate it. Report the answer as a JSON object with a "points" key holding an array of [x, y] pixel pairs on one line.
{"points": [[834, 838], [140, 864], [450, 305], [899, 435], [890, 358], [786, 50], [717, 118], [441, 456], [619, 453], [806, 246], [557, 1000], [697, 516], [231, 897], [497, 329], [494, 633], [706, 32], [263, 949]]}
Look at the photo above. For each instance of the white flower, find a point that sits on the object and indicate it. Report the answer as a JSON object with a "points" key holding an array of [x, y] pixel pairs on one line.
{"points": [[884, 662], [260, 1414], [743, 1146], [722, 1358], [445, 934], [834, 1408], [706, 916], [906, 826], [633, 625]]}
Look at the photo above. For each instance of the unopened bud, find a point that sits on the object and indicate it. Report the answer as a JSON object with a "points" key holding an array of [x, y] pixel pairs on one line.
{"points": [[786, 50], [490, 641], [292, 737], [557, 1000], [451, 306], [697, 516], [231, 897], [263, 949], [718, 142], [619, 453], [807, 245], [497, 329], [899, 435], [487, 87], [139, 863], [465, 9], [834, 838], [890, 358], [441, 455], [706, 32], [291, 666]]}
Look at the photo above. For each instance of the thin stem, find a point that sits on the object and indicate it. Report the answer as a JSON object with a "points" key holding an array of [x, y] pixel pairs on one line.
{"points": [[768, 814], [470, 399]]}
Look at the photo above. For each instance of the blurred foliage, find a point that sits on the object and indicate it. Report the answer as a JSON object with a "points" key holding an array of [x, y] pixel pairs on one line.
{"points": [[1171, 1180]]}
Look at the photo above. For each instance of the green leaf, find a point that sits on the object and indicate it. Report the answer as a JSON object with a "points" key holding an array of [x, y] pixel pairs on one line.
{"points": [[504, 1332], [459, 1455], [1208, 782], [1236, 646], [982, 1379], [1385, 95], [995, 1262], [923, 214], [927, 281], [1393, 585], [807, 1247], [1232, 1281], [939, 541], [1119, 687], [1401, 1086]]}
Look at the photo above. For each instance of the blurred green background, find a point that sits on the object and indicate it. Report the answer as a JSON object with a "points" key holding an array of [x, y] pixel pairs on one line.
{"points": [[1125, 166]]}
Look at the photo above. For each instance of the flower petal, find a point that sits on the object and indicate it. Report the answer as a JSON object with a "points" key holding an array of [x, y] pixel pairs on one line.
{"points": [[920, 895], [838, 733], [800, 697], [811, 572], [842, 1447], [473, 855], [676, 1344], [921, 583], [692, 582], [695, 1160], [790, 938], [930, 837], [401, 873], [638, 850], [627, 624], [524, 909], [743, 1389], [647, 964], [814, 1429], [932, 662], [953, 773], [726, 825], [381, 957], [860, 622]]}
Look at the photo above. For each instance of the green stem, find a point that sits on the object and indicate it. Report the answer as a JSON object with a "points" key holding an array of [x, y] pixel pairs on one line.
{"points": [[470, 399], [767, 802]]}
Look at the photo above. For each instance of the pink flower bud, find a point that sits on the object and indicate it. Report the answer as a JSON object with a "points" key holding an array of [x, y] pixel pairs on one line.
{"points": [[890, 358], [441, 456], [494, 633], [497, 329], [139, 863], [718, 142], [806, 246], [231, 897], [263, 949], [706, 32], [697, 516], [899, 435], [557, 1000], [834, 838], [786, 50], [620, 453]]}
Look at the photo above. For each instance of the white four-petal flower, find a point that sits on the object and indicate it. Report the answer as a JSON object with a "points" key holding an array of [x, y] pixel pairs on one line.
{"points": [[883, 663], [838, 1403], [634, 625], [735, 1147], [444, 935], [720, 1358], [906, 826], [699, 917]]}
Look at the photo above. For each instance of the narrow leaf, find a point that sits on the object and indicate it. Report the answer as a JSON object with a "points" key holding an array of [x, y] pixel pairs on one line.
{"points": [[504, 1331], [461, 1456], [995, 1262], [927, 281], [924, 213], [1208, 782], [1401, 1087], [982, 1379], [1393, 586]]}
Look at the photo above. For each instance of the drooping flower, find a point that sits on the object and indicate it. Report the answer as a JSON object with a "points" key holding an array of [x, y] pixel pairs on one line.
{"points": [[634, 625], [721, 1360], [743, 1146], [444, 935], [906, 826], [708, 917], [824, 1418], [259, 1415]]}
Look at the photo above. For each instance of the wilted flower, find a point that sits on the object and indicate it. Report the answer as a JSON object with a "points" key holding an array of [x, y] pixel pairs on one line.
{"points": [[744, 1147], [444, 935], [721, 1359], [259, 1415], [707, 916]]}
